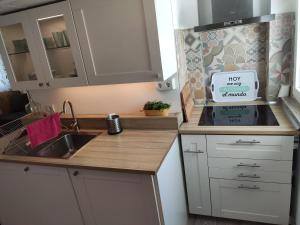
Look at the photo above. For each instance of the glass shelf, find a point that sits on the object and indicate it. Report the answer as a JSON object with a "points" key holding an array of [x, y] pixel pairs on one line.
{"points": [[17, 53], [58, 47]]}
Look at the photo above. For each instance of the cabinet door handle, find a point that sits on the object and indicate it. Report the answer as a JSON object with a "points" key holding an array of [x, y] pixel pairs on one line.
{"points": [[248, 176], [76, 173], [247, 142], [41, 84], [189, 151], [26, 169], [48, 84], [254, 165], [254, 187]]}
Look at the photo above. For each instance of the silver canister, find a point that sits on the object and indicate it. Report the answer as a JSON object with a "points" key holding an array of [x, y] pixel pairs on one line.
{"points": [[113, 124]]}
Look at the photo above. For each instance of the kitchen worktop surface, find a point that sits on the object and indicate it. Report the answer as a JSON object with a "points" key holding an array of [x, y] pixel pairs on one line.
{"points": [[285, 126], [138, 151]]}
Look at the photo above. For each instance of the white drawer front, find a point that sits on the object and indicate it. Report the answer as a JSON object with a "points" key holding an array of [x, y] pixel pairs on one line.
{"points": [[250, 147], [251, 170], [253, 201], [247, 175]]}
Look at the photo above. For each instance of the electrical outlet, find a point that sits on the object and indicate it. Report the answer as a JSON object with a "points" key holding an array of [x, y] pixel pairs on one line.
{"points": [[167, 85]]}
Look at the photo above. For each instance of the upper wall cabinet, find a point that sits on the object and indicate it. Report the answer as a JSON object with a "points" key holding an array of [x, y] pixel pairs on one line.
{"points": [[19, 53], [126, 41], [41, 49]]}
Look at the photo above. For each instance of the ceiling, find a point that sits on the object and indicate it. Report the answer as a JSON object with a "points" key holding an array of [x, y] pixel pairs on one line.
{"points": [[7, 6]]}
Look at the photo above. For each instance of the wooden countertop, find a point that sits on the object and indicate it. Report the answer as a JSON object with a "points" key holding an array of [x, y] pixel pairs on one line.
{"points": [[285, 126], [136, 151]]}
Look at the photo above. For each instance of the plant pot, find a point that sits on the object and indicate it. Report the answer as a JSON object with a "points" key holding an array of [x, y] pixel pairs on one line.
{"points": [[164, 112]]}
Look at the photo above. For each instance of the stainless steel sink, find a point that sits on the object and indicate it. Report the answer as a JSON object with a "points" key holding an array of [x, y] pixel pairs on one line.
{"points": [[63, 146]]}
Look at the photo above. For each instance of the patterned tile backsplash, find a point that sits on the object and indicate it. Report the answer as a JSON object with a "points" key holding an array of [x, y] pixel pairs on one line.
{"points": [[265, 47]]}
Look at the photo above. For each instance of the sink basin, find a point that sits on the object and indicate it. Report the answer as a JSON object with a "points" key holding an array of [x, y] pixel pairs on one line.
{"points": [[64, 146]]}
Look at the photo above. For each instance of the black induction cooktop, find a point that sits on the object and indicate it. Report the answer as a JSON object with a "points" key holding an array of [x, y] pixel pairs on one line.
{"points": [[246, 115]]}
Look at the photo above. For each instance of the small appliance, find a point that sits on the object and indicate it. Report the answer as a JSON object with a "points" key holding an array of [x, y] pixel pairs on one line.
{"points": [[113, 124]]}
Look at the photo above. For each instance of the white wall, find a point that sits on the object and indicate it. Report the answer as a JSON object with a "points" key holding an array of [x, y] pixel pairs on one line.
{"points": [[185, 13], [120, 98], [282, 6]]}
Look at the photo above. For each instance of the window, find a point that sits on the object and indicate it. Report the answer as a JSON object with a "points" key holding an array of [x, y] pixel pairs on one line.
{"points": [[296, 88], [4, 83]]}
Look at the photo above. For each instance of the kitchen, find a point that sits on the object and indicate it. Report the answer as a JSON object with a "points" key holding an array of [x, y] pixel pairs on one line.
{"points": [[217, 157]]}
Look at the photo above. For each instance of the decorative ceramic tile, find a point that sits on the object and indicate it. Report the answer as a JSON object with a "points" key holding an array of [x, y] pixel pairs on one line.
{"points": [[234, 54], [192, 39], [193, 60], [193, 50], [281, 38], [197, 84], [237, 48], [181, 58], [211, 39]]}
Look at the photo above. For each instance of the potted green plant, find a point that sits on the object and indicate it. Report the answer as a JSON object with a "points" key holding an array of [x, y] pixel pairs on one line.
{"points": [[156, 108]]}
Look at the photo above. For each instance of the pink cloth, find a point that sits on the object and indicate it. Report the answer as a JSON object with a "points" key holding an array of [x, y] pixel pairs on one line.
{"points": [[44, 130]]}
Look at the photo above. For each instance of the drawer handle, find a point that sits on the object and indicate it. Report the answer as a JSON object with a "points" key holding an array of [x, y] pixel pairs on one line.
{"points": [[254, 187], [249, 176], [254, 165], [189, 151], [247, 142]]}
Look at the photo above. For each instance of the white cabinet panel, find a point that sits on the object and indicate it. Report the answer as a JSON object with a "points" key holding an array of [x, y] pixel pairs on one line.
{"points": [[125, 41], [253, 201], [20, 56], [196, 172], [37, 195], [171, 188], [253, 170], [250, 147], [56, 40], [40, 48], [112, 198]]}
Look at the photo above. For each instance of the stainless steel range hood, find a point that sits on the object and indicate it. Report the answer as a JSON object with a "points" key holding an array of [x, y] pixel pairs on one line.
{"points": [[216, 14]]}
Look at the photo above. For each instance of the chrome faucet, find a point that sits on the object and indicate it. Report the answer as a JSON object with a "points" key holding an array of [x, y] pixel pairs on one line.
{"points": [[74, 125]]}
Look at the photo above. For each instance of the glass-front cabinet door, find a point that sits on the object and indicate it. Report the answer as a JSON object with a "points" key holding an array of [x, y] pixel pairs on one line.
{"points": [[19, 54], [55, 33]]}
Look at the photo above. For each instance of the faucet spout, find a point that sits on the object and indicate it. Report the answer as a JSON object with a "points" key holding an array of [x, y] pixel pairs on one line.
{"points": [[74, 125]]}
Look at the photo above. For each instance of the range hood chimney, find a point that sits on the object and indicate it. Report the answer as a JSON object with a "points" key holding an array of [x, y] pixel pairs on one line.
{"points": [[217, 14]]}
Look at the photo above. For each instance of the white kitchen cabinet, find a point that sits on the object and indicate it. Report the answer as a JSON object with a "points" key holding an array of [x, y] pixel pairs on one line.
{"points": [[253, 201], [196, 173], [114, 198], [20, 57], [37, 195], [241, 177], [40, 48], [250, 147], [251, 170], [125, 41], [64, 64]]}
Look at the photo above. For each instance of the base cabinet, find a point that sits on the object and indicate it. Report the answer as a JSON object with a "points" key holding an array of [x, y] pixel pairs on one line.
{"points": [[120, 198], [253, 201], [115, 198], [196, 173], [37, 195], [239, 177], [41, 195]]}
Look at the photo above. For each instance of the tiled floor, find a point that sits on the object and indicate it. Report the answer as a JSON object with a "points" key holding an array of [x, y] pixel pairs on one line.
{"points": [[205, 220]]}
